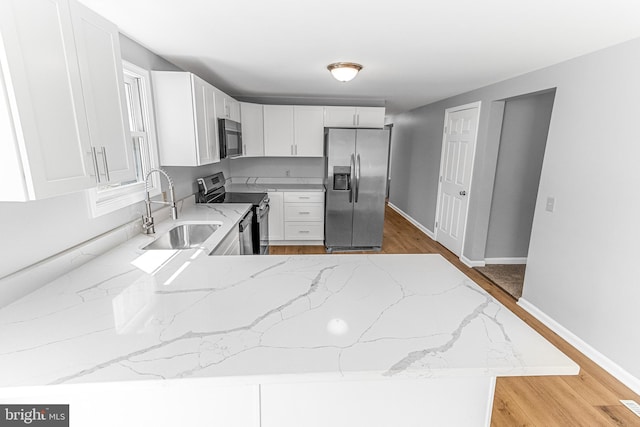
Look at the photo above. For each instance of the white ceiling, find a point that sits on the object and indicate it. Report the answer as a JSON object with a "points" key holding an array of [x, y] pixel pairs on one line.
{"points": [[414, 52]]}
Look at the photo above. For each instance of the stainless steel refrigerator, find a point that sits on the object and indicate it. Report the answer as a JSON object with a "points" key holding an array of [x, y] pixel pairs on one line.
{"points": [[355, 181]]}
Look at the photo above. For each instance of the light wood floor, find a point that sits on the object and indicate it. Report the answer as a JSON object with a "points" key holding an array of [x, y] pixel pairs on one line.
{"points": [[589, 399]]}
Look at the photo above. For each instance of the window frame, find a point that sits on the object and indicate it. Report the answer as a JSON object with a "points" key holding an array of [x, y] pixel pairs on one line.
{"points": [[104, 201]]}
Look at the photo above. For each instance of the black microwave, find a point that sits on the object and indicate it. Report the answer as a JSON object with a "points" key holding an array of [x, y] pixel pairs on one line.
{"points": [[230, 138]]}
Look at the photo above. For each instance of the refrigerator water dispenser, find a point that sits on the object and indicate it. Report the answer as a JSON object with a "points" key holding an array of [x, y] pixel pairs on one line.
{"points": [[342, 178]]}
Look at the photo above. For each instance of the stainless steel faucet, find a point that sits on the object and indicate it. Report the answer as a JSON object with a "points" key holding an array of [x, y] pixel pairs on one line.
{"points": [[147, 221]]}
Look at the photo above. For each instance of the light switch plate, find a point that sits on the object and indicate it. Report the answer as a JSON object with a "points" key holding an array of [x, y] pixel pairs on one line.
{"points": [[551, 202]]}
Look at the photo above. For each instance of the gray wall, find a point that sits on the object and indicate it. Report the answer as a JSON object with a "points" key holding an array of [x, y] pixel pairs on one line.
{"points": [[522, 143], [415, 163], [582, 257]]}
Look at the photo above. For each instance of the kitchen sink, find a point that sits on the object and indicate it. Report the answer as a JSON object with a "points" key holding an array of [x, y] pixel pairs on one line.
{"points": [[184, 236]]}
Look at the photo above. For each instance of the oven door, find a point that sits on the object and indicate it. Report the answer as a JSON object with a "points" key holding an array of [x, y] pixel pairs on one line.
{"points": [[262, 221]]}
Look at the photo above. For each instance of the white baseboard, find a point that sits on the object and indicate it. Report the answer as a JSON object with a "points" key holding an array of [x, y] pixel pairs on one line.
{"points": [[413, 221], [522, 260], [603, 361], [469, 263]]}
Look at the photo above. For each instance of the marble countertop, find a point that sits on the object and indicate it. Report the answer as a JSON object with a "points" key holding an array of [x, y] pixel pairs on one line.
{"points": [[264, 319]]}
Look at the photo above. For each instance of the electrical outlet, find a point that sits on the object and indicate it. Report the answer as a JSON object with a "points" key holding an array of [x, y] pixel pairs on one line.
{"points": [[551, 203], [164, 196], [287, 173]]}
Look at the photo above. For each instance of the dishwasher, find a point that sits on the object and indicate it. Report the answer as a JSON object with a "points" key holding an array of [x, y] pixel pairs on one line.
{"points": [[246, 234]]}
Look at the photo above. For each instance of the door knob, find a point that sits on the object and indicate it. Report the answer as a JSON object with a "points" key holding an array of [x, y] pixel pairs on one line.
{"points": [[463, 193]]}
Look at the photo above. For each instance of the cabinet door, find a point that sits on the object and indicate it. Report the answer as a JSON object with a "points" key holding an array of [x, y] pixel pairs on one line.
{"points": [[370, 117], [340, 117], [278, 130], [276, 215], [175, 112], [98, 46], [213, 139], [47, 108], [308, 131], [252, 129], [221, 109], [204, 120], [233, 109]]}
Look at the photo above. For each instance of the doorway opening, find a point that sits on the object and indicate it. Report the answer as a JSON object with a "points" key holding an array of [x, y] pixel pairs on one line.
{"points": [[523, 140]]}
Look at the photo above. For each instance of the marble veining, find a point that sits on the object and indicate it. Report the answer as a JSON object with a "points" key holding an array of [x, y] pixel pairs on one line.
{"points": [[260, 319]]}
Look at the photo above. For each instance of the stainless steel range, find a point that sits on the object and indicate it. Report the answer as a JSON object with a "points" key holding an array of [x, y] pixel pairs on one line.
{"points": [[212, 190]]}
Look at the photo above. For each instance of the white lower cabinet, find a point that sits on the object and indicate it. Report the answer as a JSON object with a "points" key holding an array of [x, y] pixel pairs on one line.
{"points": [[230, 245], [295, 217], [304, 216], [382, 403], [276, 216]]}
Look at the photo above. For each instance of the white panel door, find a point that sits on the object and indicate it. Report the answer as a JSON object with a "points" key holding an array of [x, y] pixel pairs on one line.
{"points": [[455, 176]]}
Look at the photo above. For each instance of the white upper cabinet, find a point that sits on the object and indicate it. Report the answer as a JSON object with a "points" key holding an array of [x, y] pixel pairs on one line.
{"points": [[340, 117], [227, 107], [354, 117], [101, 71], [50, 113], [278, 130], [370, 117], [206, 122], [308, 131], [291, 131], [252, 129], [185, 118]]}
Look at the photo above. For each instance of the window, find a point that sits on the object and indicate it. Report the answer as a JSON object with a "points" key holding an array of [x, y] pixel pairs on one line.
{"points": [[108, 198]]}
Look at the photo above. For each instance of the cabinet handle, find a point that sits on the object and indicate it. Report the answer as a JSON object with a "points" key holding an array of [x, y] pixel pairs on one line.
{"points": [[304, 213], [244, 148], [94, 156], [354, 119], [304, 231], [292, 149], [303, 197], [357, 119], [104, 161]]}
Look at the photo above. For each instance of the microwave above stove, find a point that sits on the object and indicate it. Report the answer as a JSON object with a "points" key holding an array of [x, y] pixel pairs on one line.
{"points": [[230, 138]]}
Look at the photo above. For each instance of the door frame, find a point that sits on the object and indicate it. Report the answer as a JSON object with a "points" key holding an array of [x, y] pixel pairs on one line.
{"points": [[478, 105]]}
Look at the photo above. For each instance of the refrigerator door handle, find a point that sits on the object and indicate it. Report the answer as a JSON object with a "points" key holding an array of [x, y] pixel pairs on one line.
{"points": [[357, 178], [353, 168]]}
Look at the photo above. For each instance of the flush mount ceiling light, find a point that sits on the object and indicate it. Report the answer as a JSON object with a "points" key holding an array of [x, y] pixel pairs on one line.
{"points": [[344, 71]]}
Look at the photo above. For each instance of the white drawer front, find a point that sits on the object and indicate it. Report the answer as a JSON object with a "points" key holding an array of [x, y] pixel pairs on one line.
{"points": [[304, 231], [304, 212], [304, 197]]}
